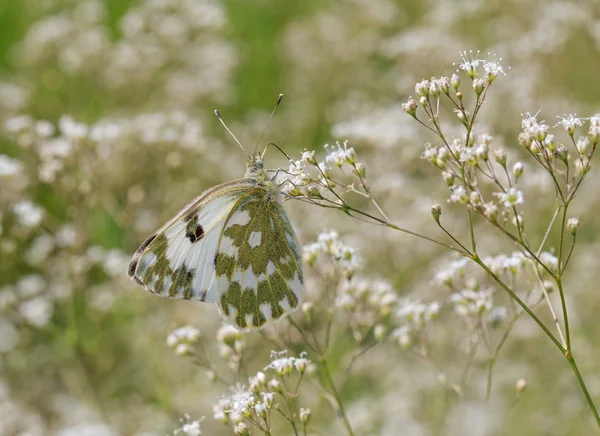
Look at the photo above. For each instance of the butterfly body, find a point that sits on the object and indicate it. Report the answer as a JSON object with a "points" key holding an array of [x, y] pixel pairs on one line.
{"points": [[233, 246]]}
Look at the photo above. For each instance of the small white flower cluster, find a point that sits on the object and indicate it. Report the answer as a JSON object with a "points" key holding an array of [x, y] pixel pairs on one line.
{"points": [[299, 181], [252, 404], [414, 317], [340, 258], [182, 340], [365, 300], [535, 138], [172, 46], [190, 427], [503, 263], [472, 303], [283, 364], [231, 344], [57, 146]]}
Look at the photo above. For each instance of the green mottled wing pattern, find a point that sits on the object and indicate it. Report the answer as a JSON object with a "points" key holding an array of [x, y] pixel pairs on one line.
{"points": [[178, 259], [258, 262]]}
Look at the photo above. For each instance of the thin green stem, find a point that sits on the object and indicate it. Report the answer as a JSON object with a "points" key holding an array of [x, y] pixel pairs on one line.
{"points": [[336, 395], [588, 397], [563, 303]]}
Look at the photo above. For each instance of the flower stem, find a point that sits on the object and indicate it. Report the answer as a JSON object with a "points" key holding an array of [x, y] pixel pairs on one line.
{"points": [[338, 398], [588, 397]]}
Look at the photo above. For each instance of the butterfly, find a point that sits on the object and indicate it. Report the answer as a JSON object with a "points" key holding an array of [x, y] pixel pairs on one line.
{"points": [[233, 246]]}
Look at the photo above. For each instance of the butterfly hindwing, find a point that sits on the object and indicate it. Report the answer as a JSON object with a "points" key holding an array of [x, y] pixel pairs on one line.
{"points": [[178, 260], [258, 262]]}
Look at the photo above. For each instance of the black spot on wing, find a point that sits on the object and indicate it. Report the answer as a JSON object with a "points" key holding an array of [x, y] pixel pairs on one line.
{"points": [[193, 230], [136, 257]]}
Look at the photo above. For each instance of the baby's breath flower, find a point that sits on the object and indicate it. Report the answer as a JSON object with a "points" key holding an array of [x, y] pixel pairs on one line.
{"points": [[549, 259], [569, 123], [281, 363], [573, 225], [521, 385], [241, 429], [469, 63], [422, 88], [410, 107], [459, 195], [9, 167], [190, 428], [436, 211], [472, 303], [511, 197], [518, 169], [479, 86], [492, 69], [583, 144], [305, 415], [183, 335], [338, 155], [455, 81], [28, 214], [500, 155]]}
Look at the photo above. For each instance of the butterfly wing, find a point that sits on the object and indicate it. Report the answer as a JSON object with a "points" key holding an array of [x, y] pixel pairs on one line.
{"points": [[258, 263], [178, 260]]}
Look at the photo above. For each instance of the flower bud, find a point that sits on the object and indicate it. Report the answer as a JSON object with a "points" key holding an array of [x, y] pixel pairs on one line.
{"points": [[445, 85], [455, 82], [379, 332], [305, 415], [573, 225], [448, 178], [521, 385], [410, 107], [518, 169], [478, 86], [422, 88], [436, 211], [500, 156], [361, 170], [562, 154], [423, 101]]}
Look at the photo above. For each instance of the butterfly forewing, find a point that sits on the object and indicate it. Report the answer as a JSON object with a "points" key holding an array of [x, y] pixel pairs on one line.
{"points": [[178, 260], [258, 262]]}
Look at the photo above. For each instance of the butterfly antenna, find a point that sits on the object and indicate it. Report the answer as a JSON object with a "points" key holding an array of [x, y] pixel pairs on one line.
{"points": [[267, 126], [231, 133]]}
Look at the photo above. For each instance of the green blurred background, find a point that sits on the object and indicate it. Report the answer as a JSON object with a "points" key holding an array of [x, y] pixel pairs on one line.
{"points": [[88, 355]]}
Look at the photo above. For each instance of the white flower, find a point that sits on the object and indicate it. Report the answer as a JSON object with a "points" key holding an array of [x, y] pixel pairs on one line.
{"points": [[28, 214], [469, 63], [190, 428], [183, 335], [493, 68], [281, 363], [338, 155], [241, 401], [37, 311], [9, 167], [569, 123], [459, 195], [510, 198], [550, 260], [472, 303]]}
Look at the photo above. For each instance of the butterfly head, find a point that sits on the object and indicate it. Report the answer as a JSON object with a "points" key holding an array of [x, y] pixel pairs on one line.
{"points": [[255, 167]]}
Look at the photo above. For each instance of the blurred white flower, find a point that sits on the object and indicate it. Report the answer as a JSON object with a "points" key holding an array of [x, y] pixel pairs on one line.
{"points": [[9, 167], [28, 214], [189, 427], [37, 311], [511, 197], [183, 335]]}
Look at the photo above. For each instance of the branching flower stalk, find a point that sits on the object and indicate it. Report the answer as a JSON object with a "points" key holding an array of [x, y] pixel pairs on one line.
{"points": [[481, 180]]}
